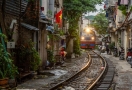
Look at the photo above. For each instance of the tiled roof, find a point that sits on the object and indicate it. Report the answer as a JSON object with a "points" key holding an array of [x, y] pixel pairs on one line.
{"points": [[42, 16]]}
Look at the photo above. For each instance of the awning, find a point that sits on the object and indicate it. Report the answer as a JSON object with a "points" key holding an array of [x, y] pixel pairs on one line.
{"points": [[30, 27], [44, 19], [42, 16], [50, 28]]}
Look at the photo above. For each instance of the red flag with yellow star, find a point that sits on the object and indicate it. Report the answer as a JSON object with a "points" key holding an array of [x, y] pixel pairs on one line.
{"points": [[58, 18]]}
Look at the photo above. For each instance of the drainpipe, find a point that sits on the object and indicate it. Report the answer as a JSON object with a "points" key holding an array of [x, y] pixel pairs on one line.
{"points": [[51, 8], [125, 42]]}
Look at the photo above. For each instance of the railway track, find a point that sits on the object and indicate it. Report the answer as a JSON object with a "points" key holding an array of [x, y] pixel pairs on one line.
{"points": [[96, 75], [106, 79]]}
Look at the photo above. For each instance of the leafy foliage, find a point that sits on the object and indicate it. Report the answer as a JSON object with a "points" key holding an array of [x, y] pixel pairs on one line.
{"points": [[28, 53], [100, 23], [112, 45], [51, 57], [123, 8], [36, 60], [7, 68], [77, 7], [76, 46], [73, 10]]}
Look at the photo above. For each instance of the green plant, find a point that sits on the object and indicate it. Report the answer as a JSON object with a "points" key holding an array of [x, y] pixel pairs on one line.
{"points": [[51, 56], [50, 36], [96, 47], [119, 41], [76, 44], [112, 45], [123, 8], [28, 52], [61, 32], [71, 15], [54, 37], [7, 68], [36, 60], [49, 13]]}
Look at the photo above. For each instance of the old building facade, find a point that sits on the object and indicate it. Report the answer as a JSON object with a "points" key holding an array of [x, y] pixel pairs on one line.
{"points": [[119, 22]]}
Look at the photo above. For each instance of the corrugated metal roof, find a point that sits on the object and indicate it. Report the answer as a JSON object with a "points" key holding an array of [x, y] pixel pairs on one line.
{"points": [[44, 19], [42, 16], [30, 27], [50, 28], [13, 6]]}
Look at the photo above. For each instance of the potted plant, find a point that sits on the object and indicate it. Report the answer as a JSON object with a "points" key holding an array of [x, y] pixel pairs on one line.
{"points": [[29, 53], [111, 46], [7, 68], [51, 58]]}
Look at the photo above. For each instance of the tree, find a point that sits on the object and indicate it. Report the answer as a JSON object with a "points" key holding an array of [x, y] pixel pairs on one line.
{"points": [[100, 24], [73, 10]]}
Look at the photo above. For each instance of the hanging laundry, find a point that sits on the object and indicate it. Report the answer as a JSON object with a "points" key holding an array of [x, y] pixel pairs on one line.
{"points": [[124, 2]]}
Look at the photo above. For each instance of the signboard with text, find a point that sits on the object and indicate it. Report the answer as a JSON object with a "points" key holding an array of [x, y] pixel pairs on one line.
{"points": [[10, 44]]}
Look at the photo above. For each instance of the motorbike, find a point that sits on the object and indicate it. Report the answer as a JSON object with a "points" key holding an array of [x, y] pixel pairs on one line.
{"points": [[129, 56], [121, 56]]}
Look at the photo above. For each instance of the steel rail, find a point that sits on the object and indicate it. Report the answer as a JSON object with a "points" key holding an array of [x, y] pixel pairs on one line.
{"points": [[85, 67], [102, 73]]}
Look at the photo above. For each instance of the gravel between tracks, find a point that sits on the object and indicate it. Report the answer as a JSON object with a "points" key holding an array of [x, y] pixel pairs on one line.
{"points": [[69, 68]]}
